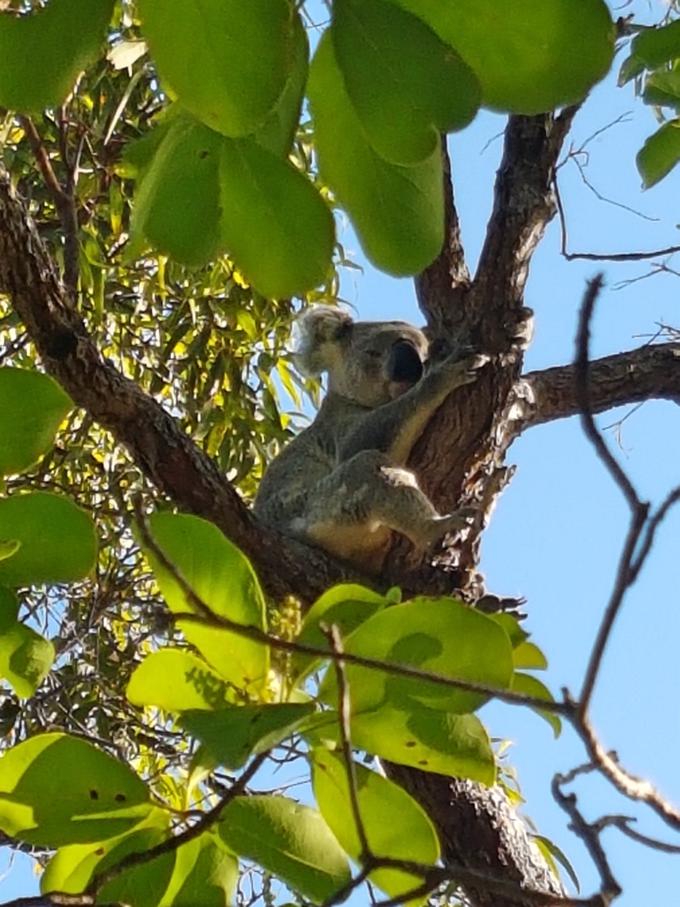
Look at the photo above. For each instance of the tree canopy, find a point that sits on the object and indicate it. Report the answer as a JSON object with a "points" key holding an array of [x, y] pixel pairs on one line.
{"points": [[172, 179]]}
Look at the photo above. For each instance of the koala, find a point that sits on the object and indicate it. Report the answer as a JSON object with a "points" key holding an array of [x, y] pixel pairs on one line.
{"points": [[342, 484]]}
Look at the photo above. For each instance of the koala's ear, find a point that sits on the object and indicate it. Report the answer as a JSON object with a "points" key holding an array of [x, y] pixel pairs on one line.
{"points": [[321, 332]]}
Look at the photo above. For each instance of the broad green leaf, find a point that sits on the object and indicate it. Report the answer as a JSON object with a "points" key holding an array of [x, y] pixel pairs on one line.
{"points": [[56, 789], [395, 825], [177, 201], [232, 735], [430, 740], [140, 886], [656, 46], [405, 84], [267, 204], [531, 686], [289, 840], [346, 605], [397, 211], [25, 656], [516, 633], [662, 89], [227, 61], [278, 130], [528, 655], [73, 865], [224, 580], [32, 406], [205, 873], [660, 153], [42, 54], [529, 56], [440, 635], [57, 538], [177, 680]]}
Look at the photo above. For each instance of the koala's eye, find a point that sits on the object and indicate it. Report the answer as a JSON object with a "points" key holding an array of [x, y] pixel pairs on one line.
{"points": [[374, 354]]}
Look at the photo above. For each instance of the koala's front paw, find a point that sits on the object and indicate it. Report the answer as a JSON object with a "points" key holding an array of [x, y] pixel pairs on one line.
{"points": [[465, 371], [457, 521]]}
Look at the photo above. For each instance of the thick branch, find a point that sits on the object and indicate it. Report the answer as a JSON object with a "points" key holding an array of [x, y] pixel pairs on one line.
{"points": [[647, 373], [166, 455]]}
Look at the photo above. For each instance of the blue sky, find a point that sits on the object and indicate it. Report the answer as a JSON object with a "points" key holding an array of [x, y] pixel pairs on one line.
{"points": [[557, 531]]}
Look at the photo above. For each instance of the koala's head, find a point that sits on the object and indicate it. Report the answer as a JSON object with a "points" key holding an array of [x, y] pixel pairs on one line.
{"points": [[369, 362]]}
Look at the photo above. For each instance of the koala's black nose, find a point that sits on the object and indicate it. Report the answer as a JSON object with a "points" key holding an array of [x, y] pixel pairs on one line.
{"points": [[404, 363]]}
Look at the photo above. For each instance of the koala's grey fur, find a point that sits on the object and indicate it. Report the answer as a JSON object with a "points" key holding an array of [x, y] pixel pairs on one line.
{"points": [[341, 483]]}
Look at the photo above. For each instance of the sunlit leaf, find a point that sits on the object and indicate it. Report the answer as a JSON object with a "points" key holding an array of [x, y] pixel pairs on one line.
{"points": [[177, 200], [289, 840], [528, 655], [226, 61], [554, 853], [177, 680], [397, 211], [32, 405], [42, 54], [656, 46], [531, 56], [660, 153], [232, 735], [25, 656], [56, 789], [405, 84], [395, 825], [439, 635], [57, 539], [346, 606], [73, 865], [531, 686], [224, 580], [266, 204], [430, 740]]}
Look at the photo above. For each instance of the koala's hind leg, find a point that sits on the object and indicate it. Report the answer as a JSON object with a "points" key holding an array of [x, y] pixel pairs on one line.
{"points": [[367, 493]]}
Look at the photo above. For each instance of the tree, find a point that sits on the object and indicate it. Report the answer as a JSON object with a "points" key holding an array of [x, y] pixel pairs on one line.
{"points": [[93, 291]]}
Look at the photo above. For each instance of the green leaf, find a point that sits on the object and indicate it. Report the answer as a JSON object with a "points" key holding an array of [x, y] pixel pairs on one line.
{"points": [[529, 57], [25, 656], [56, 789], [8, 547], [269, 205], [346, 605], [57, 538], [224, 580], [278, 130], [232, 735], [397, 211], [32, 406], [65, 38], [440, 635], [531, 686], [205, 873], [656, 46], [176, 205], [660, 153], [662, 89], [554, 853], [72, 867], [289, 840], [430, 740], [395, 825], [406, 85], [176, 680], [516, 633], [226, 61], [528, 655]]}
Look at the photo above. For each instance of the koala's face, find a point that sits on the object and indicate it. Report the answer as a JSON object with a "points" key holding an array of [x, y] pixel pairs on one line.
{"points": [[369, 362], [378, 362]]}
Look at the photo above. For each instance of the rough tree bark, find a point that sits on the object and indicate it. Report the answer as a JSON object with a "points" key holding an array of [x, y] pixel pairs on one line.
{"points": [[460, 458]]}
